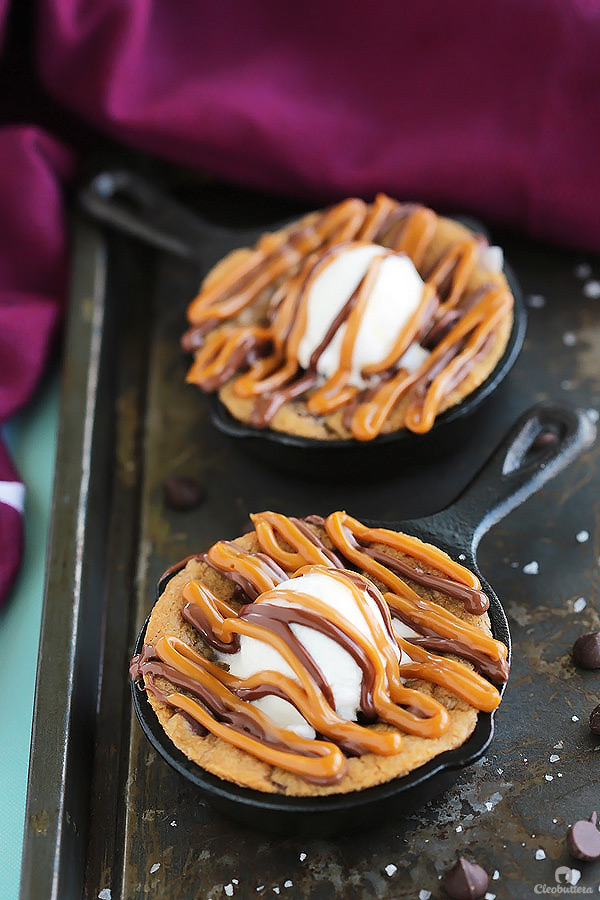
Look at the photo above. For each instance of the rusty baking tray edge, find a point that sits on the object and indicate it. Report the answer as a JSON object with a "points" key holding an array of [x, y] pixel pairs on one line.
{"points": [[74, 620]]}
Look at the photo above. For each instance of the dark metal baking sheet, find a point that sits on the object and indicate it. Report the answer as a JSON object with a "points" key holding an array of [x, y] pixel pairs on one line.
{"points": [[106, 817]]}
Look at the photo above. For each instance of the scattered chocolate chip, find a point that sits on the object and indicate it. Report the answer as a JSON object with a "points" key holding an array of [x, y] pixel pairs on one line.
{"points": [[183, 493], [595, 720], [586, 650], [466, 880], [583, 839]]}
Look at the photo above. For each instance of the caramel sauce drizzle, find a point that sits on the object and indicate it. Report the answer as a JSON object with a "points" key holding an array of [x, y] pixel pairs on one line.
{"points": [[450, 361], [321, 760], [290, 547], [263, 357], [306, 547], [344, 531], [256, 569]]}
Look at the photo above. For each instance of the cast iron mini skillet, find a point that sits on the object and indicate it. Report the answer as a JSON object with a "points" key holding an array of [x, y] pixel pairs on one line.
{"points": [[129, 203], [541, 443]]}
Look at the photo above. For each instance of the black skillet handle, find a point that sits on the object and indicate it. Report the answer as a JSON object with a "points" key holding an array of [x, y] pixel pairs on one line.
{"points": [[542, 443], [131, 204]]}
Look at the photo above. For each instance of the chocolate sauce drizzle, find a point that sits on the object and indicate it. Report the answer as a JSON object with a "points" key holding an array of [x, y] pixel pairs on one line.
{"points": [[289, 540], [262, 357]]}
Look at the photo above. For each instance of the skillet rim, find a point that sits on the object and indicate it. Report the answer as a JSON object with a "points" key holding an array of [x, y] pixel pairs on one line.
{"points": [[214, 788]]}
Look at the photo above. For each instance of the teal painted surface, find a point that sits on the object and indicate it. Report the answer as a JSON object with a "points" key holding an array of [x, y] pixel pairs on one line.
{"points": [[31, 438]]}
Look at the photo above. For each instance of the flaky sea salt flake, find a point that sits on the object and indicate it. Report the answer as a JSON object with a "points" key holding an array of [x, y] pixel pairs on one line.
{"points": [[540, 854], [591, 290], [554, 757], [424, 895], [580, 604], [104, 894], [582, 536], [228, 888], [532, 568], [549, 777], [536, 301], [288, 883], [302, 857], [390, 869], [154, 868]]}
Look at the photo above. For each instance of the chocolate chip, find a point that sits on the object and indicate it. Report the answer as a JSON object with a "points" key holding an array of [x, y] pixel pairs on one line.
{"points": [[465, 880], [183, 493], [586, 650], [583, 839], [595, 720]]}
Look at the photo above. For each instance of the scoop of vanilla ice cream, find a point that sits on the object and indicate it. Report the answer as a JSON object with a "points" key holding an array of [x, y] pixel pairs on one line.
{"points": [[339, 669], [395, 295]]}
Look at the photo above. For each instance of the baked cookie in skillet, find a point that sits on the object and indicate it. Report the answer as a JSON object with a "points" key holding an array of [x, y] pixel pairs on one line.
{"points": [[317, 656], [356, 320]]}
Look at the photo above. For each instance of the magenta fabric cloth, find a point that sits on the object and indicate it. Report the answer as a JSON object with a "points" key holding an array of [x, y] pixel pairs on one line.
{"points": [[489, 108], [33, 251], [12, 493], [4, 4]]}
